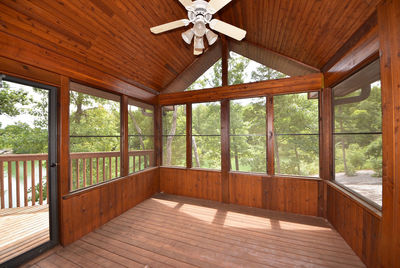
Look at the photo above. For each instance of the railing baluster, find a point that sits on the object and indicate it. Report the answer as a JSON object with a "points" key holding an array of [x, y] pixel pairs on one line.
{"points": [[77, 174], [134, 163], [1, 184], [84, 172], [17, 185], [116, 166], [9, 184], [145, 161], [97, 170], [91, 170], [110, 167], [33, 182], [71, 178], [140, 163], [25, 183], [40, 183], [104, 169], [47, 182]]}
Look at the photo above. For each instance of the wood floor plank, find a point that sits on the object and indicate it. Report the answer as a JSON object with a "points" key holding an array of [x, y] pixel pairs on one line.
{"points": [[172, 231]]}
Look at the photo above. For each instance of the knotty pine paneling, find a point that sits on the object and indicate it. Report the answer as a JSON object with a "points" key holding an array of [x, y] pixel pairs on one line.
{"points": [[86, 211], [355, 223], [204, 184], [290, 194], [245, 189]]}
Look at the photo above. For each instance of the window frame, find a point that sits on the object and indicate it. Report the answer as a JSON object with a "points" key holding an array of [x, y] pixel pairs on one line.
{"points": [[333, 134], [152, 157], [85, 89]]}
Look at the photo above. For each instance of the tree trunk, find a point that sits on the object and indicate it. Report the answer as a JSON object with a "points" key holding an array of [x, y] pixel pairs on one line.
{"points": [[196, 153], [138, 130], [235, 152], [170, 137], [79, 110], [278, 161], [298, 159], [343, 141]]}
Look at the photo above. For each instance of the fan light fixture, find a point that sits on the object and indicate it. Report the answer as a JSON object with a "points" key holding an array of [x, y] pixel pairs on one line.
{"points": [[200, 13], [188, 36], [211, 37]]}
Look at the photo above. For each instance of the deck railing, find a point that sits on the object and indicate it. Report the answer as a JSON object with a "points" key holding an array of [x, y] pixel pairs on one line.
{"points": [[23, 177]]}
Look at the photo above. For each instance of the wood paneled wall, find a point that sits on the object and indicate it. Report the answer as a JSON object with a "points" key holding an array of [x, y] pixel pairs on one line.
{"points": [[204, 184], [357, 224], [294, 195], [86, 211]]}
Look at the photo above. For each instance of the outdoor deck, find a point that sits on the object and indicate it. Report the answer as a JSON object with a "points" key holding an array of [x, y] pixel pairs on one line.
{"points": [[22, 229], [171, 231]]}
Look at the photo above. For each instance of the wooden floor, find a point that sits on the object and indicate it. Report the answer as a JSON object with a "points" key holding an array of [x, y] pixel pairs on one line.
{"points": [[22, 229], [171, 231]]}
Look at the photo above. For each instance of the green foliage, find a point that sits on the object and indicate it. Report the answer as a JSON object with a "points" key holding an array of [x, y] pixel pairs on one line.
{"points": [[9, 98], [296, 154], [23, 139], [37, 192], [359, 151]]}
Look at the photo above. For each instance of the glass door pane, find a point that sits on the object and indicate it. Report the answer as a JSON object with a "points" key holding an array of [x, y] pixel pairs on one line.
{"points": [[25, 169]]}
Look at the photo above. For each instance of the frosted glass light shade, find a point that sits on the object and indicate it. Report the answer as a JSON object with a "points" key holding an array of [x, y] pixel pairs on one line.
{"points": [[211, 37], [188, 36]]}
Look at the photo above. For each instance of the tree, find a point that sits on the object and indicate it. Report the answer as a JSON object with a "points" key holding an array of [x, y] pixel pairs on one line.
{"points": [[9, 98]]}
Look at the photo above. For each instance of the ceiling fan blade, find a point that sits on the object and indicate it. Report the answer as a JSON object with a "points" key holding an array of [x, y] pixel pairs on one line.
{"points": [[169, 26], [215, 5], [186, 3], [227, 29]]}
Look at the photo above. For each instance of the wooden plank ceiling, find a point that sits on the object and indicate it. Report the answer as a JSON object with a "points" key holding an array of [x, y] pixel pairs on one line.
{"points": [[114, 36]]}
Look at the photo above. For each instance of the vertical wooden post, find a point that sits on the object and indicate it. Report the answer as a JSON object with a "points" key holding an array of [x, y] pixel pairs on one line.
{"points": [[157, 136], [225, 117], [270, 136], [63, 152], [389, 39], [326, 147], [189, 135], [225, 151], [225, 57], [124, 137]]}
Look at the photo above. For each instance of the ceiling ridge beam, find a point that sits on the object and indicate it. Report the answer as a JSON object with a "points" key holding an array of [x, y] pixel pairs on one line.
{"points": [[192, 72], [299, 64]]}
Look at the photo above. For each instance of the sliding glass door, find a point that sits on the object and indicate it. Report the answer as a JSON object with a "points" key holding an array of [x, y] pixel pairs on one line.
{"points": [[28, 170]]}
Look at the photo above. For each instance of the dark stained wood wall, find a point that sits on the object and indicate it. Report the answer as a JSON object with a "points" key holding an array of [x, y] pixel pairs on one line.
{"points": [[358, 224]]}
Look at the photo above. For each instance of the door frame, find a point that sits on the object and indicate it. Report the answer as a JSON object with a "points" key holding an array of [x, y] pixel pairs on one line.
{"points": [[53, 166]]}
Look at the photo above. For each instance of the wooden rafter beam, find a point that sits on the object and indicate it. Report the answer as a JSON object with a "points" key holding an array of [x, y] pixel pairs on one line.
{"points": [[195, 69], [272, 59], [307, 83], [359, 51]]}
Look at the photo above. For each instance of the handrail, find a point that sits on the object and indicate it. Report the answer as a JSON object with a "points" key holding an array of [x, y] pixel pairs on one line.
{"points": [[86, 168]]}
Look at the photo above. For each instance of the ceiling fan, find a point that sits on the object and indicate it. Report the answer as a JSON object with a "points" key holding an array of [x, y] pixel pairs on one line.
{"points": [[200, 13]]}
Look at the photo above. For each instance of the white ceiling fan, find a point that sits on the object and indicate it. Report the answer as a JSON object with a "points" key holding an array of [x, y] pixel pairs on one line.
{"points": [[200, 14]]}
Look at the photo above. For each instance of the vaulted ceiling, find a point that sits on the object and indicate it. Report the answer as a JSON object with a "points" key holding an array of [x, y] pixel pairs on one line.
{"points": [[114, 37]]}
